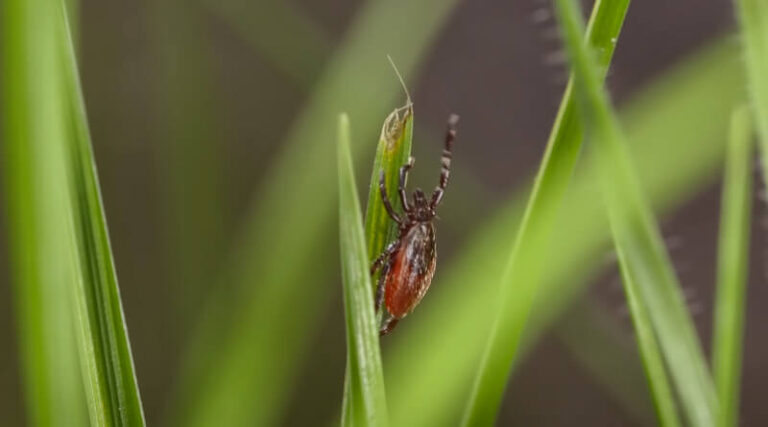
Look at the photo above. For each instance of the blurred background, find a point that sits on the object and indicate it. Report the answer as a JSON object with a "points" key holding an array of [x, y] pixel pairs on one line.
{"points": [[194, 107]]}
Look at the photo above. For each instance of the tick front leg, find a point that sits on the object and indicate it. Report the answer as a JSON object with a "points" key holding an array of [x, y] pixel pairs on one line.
{"points": [[378, 262], [389, 324], [385, 199]]}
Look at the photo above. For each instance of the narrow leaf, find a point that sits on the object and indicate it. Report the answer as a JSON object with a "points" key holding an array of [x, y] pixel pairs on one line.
{"points": [[732, 267], [112, 390], [365, 392], [523, 272], [39, 212], [638, 242], [753, 18]]}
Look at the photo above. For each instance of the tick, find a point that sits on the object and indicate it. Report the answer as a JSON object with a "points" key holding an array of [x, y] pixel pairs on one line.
{"points": [[408, 264]]}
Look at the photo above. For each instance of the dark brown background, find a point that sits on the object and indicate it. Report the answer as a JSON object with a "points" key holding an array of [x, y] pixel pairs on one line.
{"points": [[489, 64]]}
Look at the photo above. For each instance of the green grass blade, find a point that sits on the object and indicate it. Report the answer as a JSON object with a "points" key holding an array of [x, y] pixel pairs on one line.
{"points": [[522, 275], [663, 399], [456, 319], [365, 393], [38, 208], [234, 376], [644, 262], [732, 267], [112, 390], [393, 151], [753, 18]]}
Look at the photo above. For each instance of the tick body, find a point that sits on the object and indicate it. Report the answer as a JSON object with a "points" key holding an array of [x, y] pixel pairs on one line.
{"points": [[408, 263]]}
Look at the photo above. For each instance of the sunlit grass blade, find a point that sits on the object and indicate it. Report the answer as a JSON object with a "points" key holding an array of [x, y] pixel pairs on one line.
{"points": [[364, 394], [108, 371], [753, 18], [454, 320], [521, 278], [648, 275], [233, 376], [38, 211], [732, 267]]}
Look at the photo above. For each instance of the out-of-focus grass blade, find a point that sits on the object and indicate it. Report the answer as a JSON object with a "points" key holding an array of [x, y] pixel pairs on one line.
{"points": [[605, 351], [645, 265], [112, 390], [241, 375], [303, 46], [732, 267], [455, 319], [38, 208], [753, 17], [521, 278], [663, 399], [364, 392]]}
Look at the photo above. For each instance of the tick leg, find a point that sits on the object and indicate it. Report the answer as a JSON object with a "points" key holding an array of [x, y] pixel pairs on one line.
{"points": [[403, 177], [379, 299], [384, 255], [389, 324], [385, 199], [445, 170]]}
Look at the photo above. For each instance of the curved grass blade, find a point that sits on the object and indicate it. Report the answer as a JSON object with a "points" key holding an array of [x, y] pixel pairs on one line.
{"points": [[454, 320], [241, 376], [637, 239], [38, 212], [108, 371], [732, 267], [523, 272], [364, 392], [753, 18]]}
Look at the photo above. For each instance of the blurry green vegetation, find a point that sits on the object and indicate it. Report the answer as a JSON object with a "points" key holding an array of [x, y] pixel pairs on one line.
{"points": [[65, 273], [733, 261], [653, 293], [254, 333], [521, 277]]}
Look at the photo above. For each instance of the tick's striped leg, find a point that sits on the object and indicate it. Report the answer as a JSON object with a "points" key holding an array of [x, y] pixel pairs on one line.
{"points": [[445, 170], [389, 324], [385, 199], [379, 298], [384, 256], [403, 176]]}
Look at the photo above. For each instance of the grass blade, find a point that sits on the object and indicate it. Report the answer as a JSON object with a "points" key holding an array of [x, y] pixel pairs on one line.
{"points": [[365, 391], [38, 209], [525, 265], [644, 262], [676, 105], [111, 386], [753, 17], [243, 381], [663, 399], [733, 256]]}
